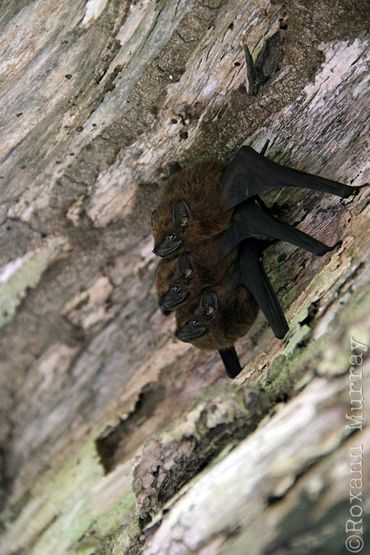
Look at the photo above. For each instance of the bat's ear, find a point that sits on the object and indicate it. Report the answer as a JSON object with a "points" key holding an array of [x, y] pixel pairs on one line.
{"points": [[185, 265], [209, 302], [181, 213]]}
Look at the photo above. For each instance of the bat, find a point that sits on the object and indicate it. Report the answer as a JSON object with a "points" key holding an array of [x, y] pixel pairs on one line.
{"points": [[197, 203], [182, 280], [225, 313], [222, 315], [190, 210]]}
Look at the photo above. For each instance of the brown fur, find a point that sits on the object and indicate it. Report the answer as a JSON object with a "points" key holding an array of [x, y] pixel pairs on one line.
{"points": [[209, 267], [236, 312], [200, 187], [164, 274]]}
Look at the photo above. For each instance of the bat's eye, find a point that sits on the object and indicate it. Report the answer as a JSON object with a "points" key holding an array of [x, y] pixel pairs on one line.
{"points": [[194, 322], [175, 288], [171, 237]]}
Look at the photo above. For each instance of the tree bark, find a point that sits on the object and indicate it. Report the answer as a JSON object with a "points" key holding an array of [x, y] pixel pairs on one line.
{"points": [[115, 438]]}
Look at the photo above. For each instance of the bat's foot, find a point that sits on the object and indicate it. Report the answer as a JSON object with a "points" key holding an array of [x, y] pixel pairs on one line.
{"points": [[231, 362]]}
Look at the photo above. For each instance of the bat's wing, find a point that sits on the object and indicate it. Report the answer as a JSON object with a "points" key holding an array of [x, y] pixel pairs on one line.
{"points": [[251, 220], [231, 361], [250, 173], [253, 276]]}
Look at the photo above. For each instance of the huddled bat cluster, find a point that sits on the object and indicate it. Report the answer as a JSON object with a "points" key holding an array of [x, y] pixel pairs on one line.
{"points": [[210, 228]]}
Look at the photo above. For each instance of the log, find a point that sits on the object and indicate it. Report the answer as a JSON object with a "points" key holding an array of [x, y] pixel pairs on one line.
{"points": [[114, 437]]}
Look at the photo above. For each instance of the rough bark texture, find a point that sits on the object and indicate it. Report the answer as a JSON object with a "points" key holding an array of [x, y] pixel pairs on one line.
{"points": [[114, 438]]}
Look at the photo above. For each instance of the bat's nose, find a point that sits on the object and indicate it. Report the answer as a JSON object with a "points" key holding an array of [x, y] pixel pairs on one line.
{"points": [[159, 251], [166, 248]]}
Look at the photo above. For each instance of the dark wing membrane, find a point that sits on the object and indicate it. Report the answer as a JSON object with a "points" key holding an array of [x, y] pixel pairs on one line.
{"points": [[251, 220], [250, 173], [253, 276], [231, 361]]}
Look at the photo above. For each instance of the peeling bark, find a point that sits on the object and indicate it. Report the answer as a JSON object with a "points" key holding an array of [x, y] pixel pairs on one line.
{"points": [[109, 429]]}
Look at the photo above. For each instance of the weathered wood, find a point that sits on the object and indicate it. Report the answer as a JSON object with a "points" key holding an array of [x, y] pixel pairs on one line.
{"points": [[275, 491], [98, 100]]}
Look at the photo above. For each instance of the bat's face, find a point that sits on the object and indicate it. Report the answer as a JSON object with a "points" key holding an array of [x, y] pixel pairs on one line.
{"points": [[201, 321], [180, 289], [169, 226]]}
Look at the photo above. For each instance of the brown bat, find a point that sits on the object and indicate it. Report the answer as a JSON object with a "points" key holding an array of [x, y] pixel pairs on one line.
{"points": [[181, 281], [225, 312], [190, 209], [197, 203], [222, 315]]}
